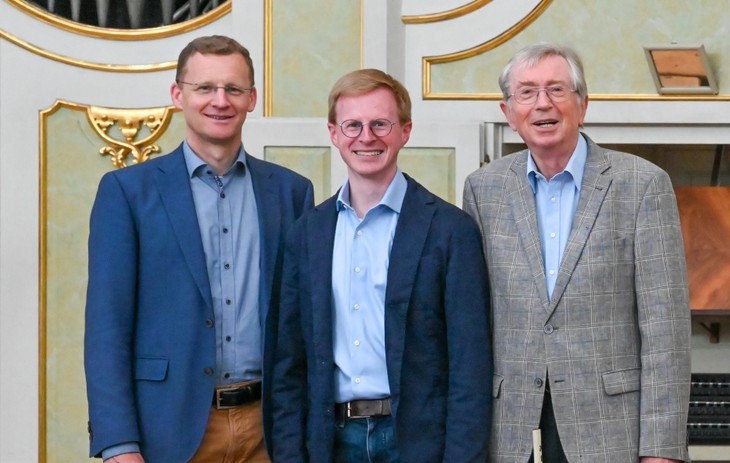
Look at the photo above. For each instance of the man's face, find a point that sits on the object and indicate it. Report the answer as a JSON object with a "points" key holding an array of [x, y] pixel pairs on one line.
{"points": [[214, 117], [368, 155], [547, 127]]}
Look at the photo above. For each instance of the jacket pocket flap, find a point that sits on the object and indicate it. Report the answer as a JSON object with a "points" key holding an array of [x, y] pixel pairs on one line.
{"points": [[621, 381], [496, 385], [151, 369]]}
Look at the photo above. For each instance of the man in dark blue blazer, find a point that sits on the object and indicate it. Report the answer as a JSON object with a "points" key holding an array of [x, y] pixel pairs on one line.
{"points": [[383, 350], [185, 258]]}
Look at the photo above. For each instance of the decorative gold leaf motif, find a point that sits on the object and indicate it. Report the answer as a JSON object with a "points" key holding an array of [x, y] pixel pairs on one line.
{"points": [[125, 133]]}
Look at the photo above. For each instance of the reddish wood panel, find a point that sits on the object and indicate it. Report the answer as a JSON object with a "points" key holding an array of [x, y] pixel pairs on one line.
{"points": [[705, 216]]}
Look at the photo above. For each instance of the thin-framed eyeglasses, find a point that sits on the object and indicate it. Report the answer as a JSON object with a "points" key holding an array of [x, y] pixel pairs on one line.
{"points": [[380, 127], [529, 95], [207, 89]]}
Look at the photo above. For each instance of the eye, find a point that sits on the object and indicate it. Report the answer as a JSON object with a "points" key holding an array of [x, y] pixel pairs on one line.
{"points": [[352, 125], [233, 90], [204, 88], [556, 90], [526, 92], [379, 123]]}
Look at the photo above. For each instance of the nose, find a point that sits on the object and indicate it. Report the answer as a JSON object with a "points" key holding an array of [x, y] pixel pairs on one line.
{"points": [[367, 133], [220, 98], [543, 99]]}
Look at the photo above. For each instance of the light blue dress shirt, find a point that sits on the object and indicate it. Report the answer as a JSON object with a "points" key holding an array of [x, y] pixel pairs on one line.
{"points": [[556, 201], [359, 275], [229, 228]]}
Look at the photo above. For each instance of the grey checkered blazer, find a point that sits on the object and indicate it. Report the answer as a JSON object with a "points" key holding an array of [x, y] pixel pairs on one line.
{"points": [[615, 337]]}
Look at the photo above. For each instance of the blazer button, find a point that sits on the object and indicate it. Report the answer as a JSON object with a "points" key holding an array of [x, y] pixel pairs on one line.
{"points": [[208, 372], [209, 323], [538, 382], [548, 329]]}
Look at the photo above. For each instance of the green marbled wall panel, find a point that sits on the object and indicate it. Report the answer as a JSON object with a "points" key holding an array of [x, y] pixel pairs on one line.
{"points": [[314, 43], [312, 162], [73, 169], [432, 168], [610, 36]]}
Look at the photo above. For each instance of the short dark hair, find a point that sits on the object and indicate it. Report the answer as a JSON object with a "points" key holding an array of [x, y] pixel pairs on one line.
{"points": [[213, 45], [364, 81]]}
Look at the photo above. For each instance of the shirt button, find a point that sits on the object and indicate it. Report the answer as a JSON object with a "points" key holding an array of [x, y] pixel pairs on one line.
{"points": [[228, 338], [538, 382], [227, 375], [228, 302], [223, 195], [209, 323], [553, 199], [359, 233], [552, 235], [552, 272], [357, 269], [226, 266], [548, 329], [356, 306], [208, 371], [225, 230], [357, 343], [357, 380]]}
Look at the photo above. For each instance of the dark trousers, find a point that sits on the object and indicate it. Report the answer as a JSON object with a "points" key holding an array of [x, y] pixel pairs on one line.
{"points": [[552, 449]]}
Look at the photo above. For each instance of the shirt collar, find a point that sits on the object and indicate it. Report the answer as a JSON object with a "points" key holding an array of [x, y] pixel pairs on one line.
{"points": [[576, 165], [195, 164], [393, 197]]}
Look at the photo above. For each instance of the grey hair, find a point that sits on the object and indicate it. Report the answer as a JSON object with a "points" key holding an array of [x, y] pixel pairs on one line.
{"points": [[530, 55]]}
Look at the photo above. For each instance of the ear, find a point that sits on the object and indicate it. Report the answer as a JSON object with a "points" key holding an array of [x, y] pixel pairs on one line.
{"points": [[333, 132], [252, 98], [176, 95], [584, 108], [507, 111], [406, 131]]}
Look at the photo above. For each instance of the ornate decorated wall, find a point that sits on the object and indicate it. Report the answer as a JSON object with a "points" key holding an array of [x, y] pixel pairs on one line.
{"points": [[61, 83]]}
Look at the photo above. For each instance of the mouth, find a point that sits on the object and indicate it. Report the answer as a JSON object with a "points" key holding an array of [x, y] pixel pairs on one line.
{"points": [[546, 123], [217, 117], [368, 153]]}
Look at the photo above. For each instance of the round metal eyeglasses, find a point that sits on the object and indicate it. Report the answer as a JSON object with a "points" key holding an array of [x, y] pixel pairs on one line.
{"points": [[379, 127]]}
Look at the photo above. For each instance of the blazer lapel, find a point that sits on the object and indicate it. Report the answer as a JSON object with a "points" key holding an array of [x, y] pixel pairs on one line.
{"points": [[173, 184], [593, 191], [408, 243], [321, 240], [267, 197], [524, 212]]}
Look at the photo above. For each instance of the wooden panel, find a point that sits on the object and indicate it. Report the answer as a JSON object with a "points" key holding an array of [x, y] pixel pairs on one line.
{"points": [[705, 216]]}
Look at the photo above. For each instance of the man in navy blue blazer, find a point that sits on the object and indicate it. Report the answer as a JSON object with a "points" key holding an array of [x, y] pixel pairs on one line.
{"points": [[383, 350], [185, 258]]}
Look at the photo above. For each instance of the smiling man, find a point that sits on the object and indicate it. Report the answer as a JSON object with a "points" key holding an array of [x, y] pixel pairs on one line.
{"points": [[383, 352], [185, 255], [590, 314]]}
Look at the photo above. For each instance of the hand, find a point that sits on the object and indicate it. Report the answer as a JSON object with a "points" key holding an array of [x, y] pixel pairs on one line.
{"points": [[135, 457], [658, 460]]}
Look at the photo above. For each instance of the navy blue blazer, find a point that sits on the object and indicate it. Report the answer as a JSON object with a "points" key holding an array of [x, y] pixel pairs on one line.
{"points": [[438, 352], [149, 347]]}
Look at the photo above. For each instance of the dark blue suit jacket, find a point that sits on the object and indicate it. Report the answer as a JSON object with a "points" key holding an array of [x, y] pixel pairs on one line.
{"points": [[438, 352], [149, 340]]}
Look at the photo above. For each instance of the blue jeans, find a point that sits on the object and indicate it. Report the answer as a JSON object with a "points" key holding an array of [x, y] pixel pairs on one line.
{"points": [[366, 440]]}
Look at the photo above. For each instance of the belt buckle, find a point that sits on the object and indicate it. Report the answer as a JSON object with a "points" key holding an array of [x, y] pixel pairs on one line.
{"points": [[218, 391]]}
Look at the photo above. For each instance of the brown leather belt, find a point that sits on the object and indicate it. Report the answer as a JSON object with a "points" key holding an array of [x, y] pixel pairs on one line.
{"points": [[235, 395], [362, 409]]}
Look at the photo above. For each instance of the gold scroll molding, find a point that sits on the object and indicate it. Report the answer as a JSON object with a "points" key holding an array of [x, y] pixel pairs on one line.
{"points": [[121, 68], [129, 122], [444, 15], [470, 52], [122, 34], [428, 61]]}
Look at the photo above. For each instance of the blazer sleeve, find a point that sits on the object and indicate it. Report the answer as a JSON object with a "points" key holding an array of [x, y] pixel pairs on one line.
{"points": [[289, 377], [109, 319], [664, 323], [466, 300]]}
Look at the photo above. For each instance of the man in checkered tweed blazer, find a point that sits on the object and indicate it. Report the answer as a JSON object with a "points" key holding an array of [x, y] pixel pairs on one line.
{"points": [[590, 317]]}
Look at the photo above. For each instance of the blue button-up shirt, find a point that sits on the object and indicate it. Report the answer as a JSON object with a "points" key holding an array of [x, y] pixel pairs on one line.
{"points": [[229, 228], [359, 276], [556, 201]]}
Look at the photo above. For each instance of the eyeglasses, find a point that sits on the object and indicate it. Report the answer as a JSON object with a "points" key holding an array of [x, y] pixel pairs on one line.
{"points": [[380, 127], [529, 95], [206, 89]]}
